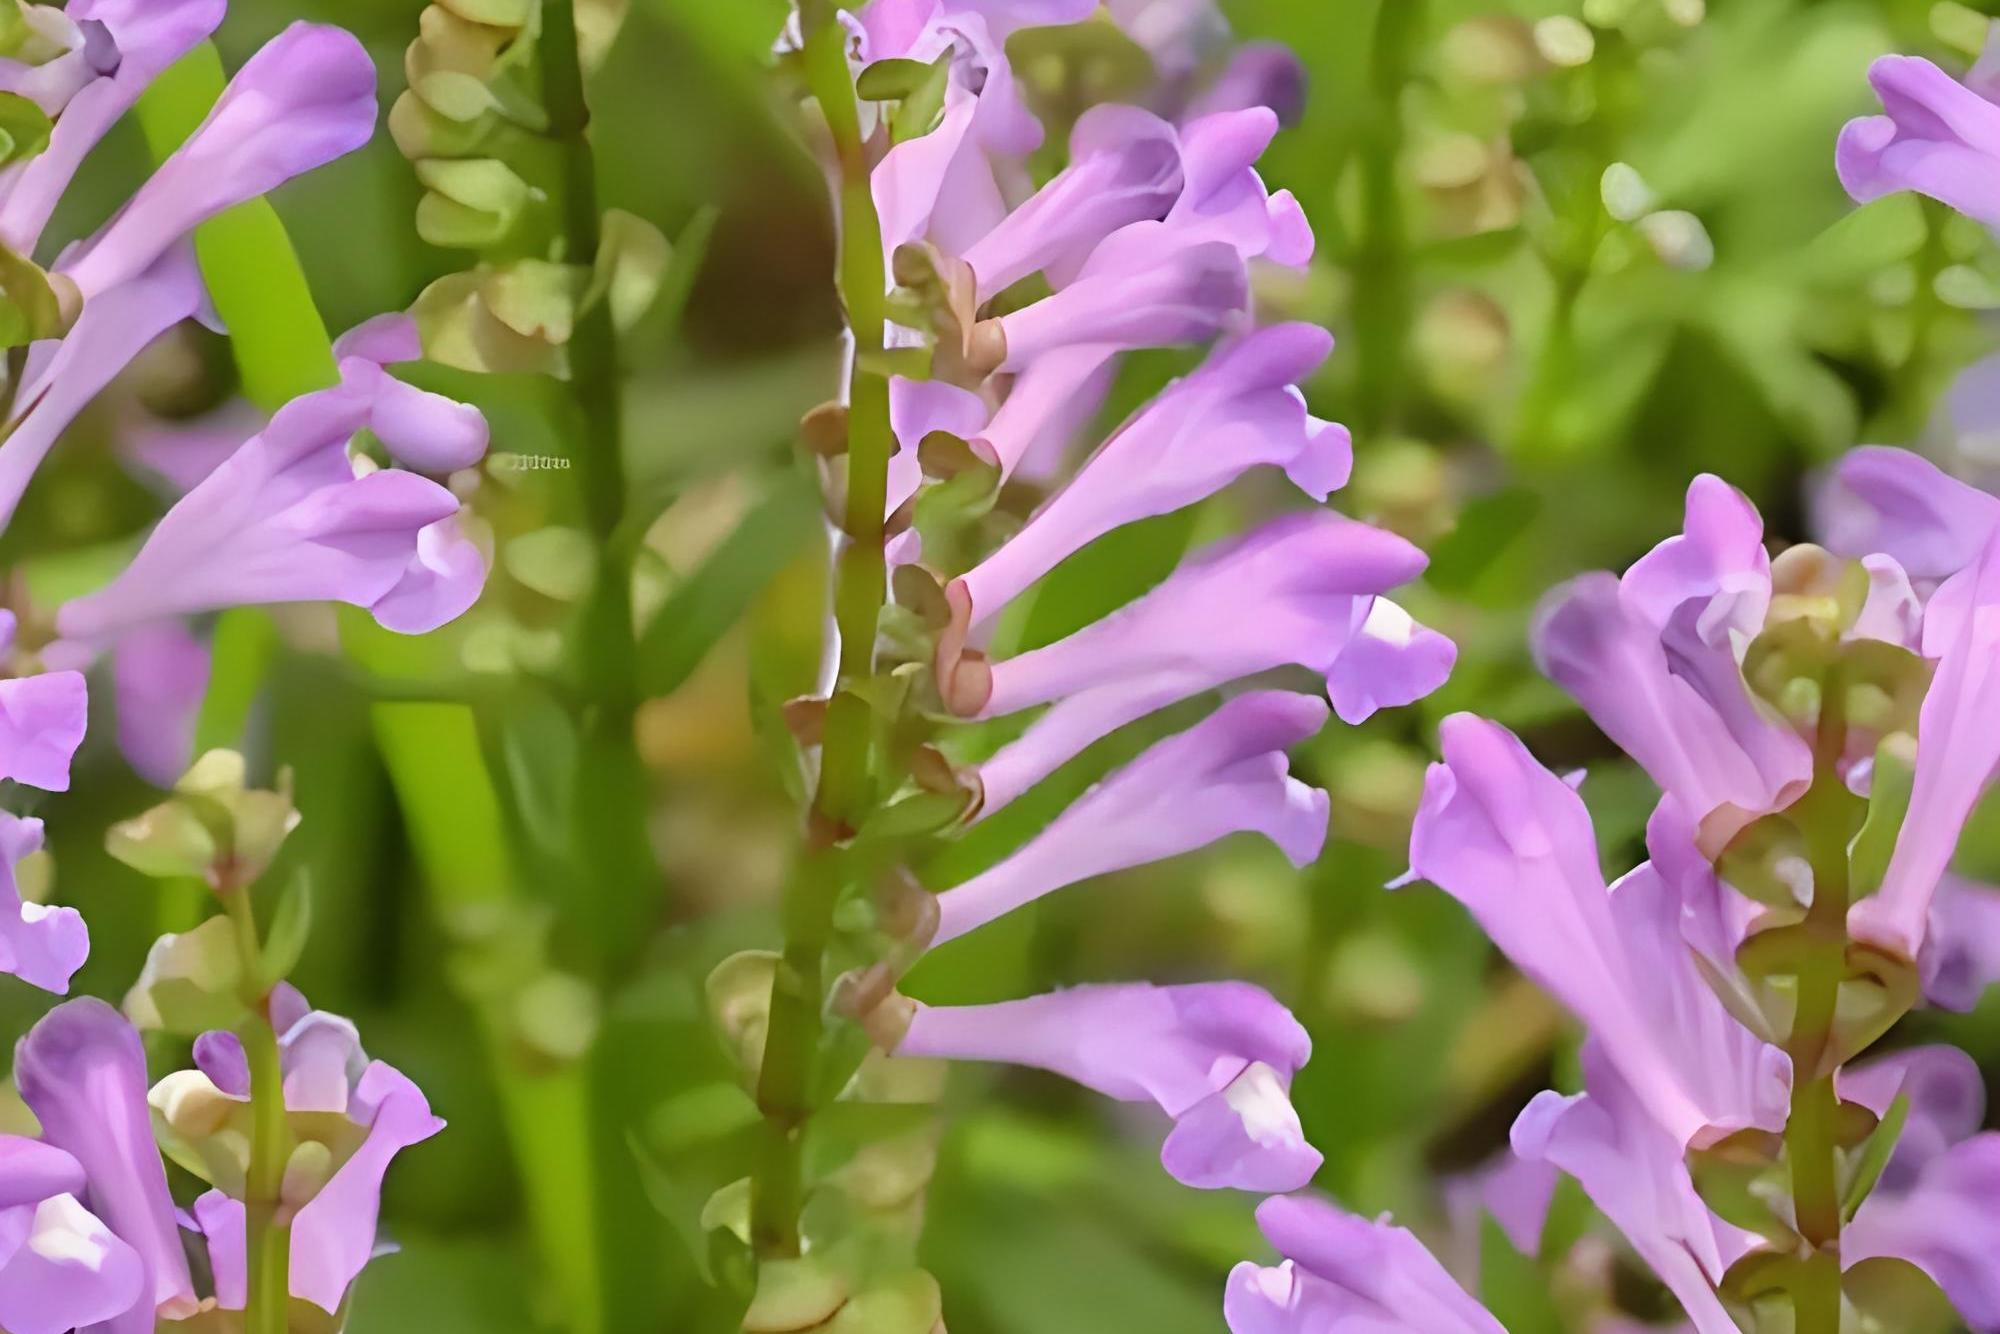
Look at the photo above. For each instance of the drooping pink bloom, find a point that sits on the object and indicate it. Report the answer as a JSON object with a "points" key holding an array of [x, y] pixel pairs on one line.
{"points": [[1299, 590], [326, 1075], [82, 1071], [1654, 659], [1226, 774], [42, 946], [1961, 955], [305, 98], [1240, 409], [1514, 844], [1045, 408], [42, 720], [1958, 747], [1346, 1275], [1937, 137], [1611, 1141], [290, 518], [1217, 1057]]}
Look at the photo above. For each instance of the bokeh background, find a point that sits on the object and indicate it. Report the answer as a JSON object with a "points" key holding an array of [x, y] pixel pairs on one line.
{"points": [[1534, 356]]}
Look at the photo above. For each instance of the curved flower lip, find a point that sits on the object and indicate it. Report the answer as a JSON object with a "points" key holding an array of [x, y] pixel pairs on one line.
{"points": [[42, 946], [82, 1071], [1513, 843], [1341, 1271], [1900, 504], [1226, 774], [1045, 407], [1958, 749], [1217, 1057], [42, 721], [1299, 590], [305, 98], [1238, 410], [1961, 954], [1939, 138], [66, 1270], [1652, 658], [287, 518], [149, 36]]}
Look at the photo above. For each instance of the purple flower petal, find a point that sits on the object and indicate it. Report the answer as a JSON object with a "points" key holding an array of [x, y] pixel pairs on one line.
{"points": [[66, 1270], [1217, 1057], [1513, 843], [1945, 1224], [1961, 955], [305, 98], [1346, 1275], [42, 946], [159, 674], [1299, 590], [1938, 138], [1890, 501], [1226, 774], [82, 1071]]}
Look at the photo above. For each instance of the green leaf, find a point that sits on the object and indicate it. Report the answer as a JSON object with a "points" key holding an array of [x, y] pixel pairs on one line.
{"points": [[1880, 233], [1888, 803], [701, 611], [923, 105], [190, 983], [24, 127], [291, 926], [1875, 1154], [1513, 1286], [1486, 528]]}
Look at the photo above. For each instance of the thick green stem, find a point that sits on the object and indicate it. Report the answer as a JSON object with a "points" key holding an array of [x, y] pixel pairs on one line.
{"points": [[1826, 815], [845, 787], [269, 1232]]}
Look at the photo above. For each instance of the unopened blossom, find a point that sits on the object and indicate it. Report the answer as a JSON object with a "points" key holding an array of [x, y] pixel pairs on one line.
{"points": [[1239, 410], [82, 1072], [41, 945], [1611, 1140], [1937, 137], [42, 719], [1302, 589], [1346, 1275], [362, 1112], [1514, 844], [289, 517], [1217, 1057], [1654, 658], [1226, 774]]}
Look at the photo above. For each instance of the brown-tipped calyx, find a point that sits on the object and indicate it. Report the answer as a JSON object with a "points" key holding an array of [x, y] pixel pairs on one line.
{"points": [[805, 719], [918, 590], [945, 456], [964, 676], [823, 431]]}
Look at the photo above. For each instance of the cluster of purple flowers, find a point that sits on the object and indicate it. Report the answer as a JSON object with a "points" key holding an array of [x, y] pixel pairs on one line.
{"points": [[1771, 701], [92, 1239]]}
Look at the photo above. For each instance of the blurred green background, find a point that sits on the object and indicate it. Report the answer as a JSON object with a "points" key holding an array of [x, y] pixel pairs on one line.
{"points": [[1534, 356]]}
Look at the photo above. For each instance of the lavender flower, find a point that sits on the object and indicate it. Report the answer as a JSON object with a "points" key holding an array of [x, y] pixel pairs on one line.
{"points": [[42, 718], [40, 945], [1224, 775], [351, 1117], [1939, 137], [1217, 1057], [1346, 1275], [289, 517]]}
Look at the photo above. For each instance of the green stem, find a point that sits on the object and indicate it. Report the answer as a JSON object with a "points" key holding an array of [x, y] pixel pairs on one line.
{"points": [[1826, 815], [1382, 293], [785, 1082], [609, 826], [268, 1305]]}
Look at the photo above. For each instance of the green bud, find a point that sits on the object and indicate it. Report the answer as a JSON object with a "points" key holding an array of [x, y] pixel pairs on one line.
{"points": [[30, 306], [1888, 802], [632, 259], [493, 13], [557, 562], [794, 1295], [167, 842], [728, 1210], [472, 204], [908, 1303], [24, 129], [1742, 1179], [459, 330], [191, 982], [307, 1171], [535, 298], [1766, 862], [1892, 1294], [739, 1001]]}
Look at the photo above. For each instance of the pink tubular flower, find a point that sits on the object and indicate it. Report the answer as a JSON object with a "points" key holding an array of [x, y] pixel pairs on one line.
{"points": [[1346, 1275], [1513, 843], [1611, 1141], [364, 1111], [42, 719], [288, 517], [1217, 1057], [82, 1071], [40, 945], [1961, 956], [1938, 138], [1240, 409], [1958, 747], [1226, 774], [1902, 505], [1654, 659], [1299, 590], [305, 98]]}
